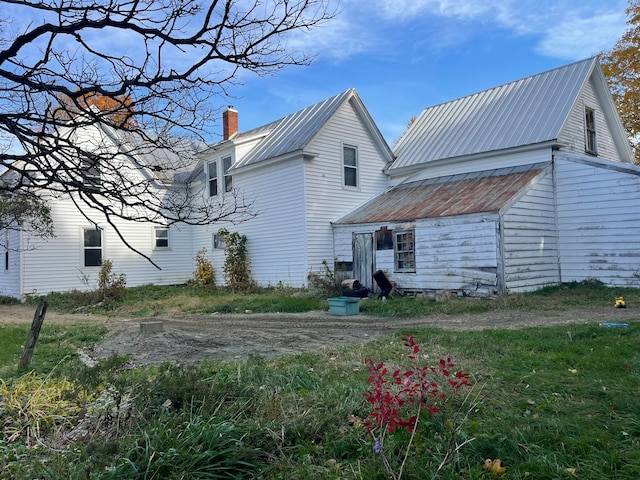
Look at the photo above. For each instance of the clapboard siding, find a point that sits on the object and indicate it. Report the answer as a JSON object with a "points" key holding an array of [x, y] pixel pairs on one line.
{"points": [[573, 134], [599, 221], [495, 160], [10, 263], [456, 253], [42, 271], [530, 242], [276, 239], [326, 199]]}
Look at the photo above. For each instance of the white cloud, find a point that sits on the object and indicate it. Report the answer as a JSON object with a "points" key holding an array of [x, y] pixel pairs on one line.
{"points": [[567, 29], [577, 38]]}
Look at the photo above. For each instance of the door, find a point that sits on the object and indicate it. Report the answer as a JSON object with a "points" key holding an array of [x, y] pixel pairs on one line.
{"points": [[363, 258]]}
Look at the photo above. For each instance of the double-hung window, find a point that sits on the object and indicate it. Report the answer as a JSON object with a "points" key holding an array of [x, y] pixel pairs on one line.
{"points": [[228, 180], [350, 166], [92, 238], [161, 235], [590, 128], [213, 178], [91, 175], [405, 253]]}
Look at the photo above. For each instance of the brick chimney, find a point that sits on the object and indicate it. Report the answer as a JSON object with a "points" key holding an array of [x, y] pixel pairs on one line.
{"points": [[229, 123]]}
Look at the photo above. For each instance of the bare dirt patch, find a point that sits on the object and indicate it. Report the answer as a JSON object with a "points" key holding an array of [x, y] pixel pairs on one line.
{"points": [[191, 338]]}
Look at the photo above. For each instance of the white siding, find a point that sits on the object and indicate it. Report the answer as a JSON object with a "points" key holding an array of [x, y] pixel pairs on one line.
{"points": [[57, 264], [458, 253], [10, 264], [530, 240], [326, 198], [599, 221], [574, 132], [276, 237], [487, 162]]}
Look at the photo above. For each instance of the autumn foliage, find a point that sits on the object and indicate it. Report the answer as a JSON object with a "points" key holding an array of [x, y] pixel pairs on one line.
{"points": [[621, 65], [116, 110]]}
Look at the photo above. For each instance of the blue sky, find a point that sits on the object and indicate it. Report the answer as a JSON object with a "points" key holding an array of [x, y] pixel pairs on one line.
{"points": [[405, 55]]}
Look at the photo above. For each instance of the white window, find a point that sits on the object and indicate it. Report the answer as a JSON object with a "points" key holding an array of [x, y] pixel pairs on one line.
{"points": [[213, 178], [405, 256], [350, 166], [91, 175], [217, 242], [92, 238], [6, 250], [590, 126], [161, 237], [228, 180]]}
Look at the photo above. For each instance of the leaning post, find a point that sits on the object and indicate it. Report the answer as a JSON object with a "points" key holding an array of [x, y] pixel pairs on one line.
{"points": [[32, 338]]}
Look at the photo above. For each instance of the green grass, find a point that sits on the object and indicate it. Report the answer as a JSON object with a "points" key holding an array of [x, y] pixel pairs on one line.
{"points": [[150, 300], [553, 403]]}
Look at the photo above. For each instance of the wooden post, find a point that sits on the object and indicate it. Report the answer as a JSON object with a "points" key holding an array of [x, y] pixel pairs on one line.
{"points": [[32, 338]]}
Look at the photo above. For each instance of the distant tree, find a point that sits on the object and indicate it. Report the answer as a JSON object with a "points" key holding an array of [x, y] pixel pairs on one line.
{"points": [[621, 65], [148, 71]]}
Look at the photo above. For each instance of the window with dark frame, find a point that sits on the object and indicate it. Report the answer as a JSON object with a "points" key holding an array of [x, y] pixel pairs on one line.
{"points": [[405, 258], [161, 237], [213, 178], [590, 124], [350, 166], [228, 179], [92, 247]]}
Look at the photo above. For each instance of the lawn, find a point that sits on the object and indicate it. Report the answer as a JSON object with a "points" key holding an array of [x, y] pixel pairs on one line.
{"points": [[549, 403]]}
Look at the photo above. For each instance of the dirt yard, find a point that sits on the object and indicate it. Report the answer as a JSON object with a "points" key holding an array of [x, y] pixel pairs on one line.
{"points": [[186, 339]]}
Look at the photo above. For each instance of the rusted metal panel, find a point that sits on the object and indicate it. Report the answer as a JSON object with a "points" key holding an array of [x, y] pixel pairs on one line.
{"points": [[445, 196]]}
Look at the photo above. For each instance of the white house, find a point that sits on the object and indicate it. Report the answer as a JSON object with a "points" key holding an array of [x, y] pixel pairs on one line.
{"points": [[517, 187], [524, 185], [299, 173]]}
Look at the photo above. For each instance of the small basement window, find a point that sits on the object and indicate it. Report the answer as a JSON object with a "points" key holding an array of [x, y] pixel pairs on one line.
{"points": [[405, 257]]}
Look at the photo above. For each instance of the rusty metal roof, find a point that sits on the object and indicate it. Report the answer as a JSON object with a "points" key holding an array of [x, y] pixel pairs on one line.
{"points": [[478, 192]]}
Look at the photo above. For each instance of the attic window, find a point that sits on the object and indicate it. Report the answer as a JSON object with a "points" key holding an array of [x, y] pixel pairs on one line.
{"points": [[350, 166], [91, 175], [590, 124]]}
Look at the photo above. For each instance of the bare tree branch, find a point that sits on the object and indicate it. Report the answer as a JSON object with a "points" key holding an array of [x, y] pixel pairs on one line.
{"points": [[143, 77]]}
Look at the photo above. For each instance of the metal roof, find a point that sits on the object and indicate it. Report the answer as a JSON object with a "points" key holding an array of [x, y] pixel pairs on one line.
{"points": [[524, 112], [478, 192], [293, 132]]}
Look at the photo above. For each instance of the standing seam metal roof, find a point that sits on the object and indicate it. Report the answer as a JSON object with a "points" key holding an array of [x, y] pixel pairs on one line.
{"points": [[293, 132], [478, 192], [524, 112]]}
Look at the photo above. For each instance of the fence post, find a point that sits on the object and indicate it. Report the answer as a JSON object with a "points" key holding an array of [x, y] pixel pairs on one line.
{"points": [[32, 338]]}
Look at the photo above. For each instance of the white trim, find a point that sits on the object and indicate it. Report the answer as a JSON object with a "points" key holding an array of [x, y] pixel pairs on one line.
{"points": [[343, 166]]}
